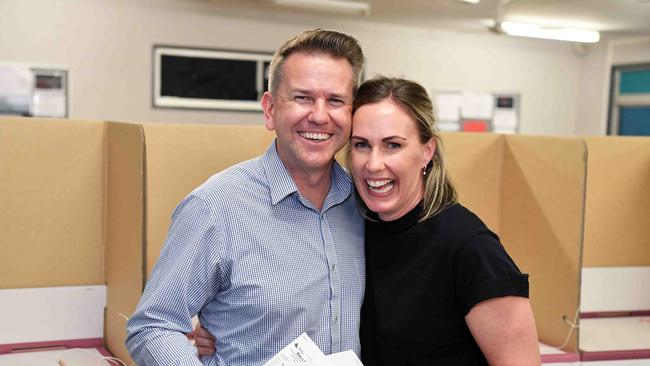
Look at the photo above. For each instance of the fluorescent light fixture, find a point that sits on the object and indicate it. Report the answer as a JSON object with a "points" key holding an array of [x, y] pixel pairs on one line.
{"points": [[471, 1], [338, 6], [560, 34]]}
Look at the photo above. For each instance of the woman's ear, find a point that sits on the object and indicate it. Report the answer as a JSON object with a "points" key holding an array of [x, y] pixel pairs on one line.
{"points": [[429, 150], [267, 108]]}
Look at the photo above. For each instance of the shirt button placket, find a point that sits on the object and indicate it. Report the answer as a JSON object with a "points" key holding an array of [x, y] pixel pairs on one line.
{"points": [[335, 284]]}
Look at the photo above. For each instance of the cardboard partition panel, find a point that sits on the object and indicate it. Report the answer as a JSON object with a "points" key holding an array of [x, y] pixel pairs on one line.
{"points": [[617, 219], [52, 194], [474, 163], [542, 190], [181, 157], [125, 273], [152, 168], [616, 262]]}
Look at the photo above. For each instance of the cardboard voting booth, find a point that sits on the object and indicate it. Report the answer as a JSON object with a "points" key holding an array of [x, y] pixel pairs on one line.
{"points": [[474, 163], [615, 307], [52, 189], [151, 168], [530, 191], [52, 194], [88, 204], [541, 226]]}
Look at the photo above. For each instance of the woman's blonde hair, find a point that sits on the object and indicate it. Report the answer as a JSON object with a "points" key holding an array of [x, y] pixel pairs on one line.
{"points": [[439, 192]]}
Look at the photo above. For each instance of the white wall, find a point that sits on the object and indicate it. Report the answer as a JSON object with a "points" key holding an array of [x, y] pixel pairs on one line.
{"points": [[107, 45], [594, 82]]}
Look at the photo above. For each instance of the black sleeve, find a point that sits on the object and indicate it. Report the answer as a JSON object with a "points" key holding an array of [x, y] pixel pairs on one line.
{"points": [[483, 270]]}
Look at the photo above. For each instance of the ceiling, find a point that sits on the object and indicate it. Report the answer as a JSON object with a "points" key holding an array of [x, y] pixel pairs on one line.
{"points": [[611, 17]]}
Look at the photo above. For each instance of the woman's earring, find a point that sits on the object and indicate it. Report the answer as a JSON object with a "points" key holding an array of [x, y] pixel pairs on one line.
{"points": [[424, 171]]}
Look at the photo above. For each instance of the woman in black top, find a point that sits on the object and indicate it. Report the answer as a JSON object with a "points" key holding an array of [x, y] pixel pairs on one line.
{"points": [[440, 287]]}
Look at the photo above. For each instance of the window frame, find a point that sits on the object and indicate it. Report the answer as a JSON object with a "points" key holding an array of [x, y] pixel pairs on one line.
{"points": [[616, 99]]}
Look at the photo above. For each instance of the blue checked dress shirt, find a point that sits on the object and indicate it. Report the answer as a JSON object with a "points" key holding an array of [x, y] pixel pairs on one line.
{"points": [[259, 264]]}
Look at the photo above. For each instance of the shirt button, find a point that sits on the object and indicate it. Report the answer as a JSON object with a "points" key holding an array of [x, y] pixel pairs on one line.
{"points": [[333, 267], [336, 319]]}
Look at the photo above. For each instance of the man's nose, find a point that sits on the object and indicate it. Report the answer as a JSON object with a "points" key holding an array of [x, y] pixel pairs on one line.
{"points": [[318, 113]]}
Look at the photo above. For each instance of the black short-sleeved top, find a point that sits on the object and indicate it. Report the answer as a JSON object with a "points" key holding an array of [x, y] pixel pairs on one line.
{"points": [[422, 279]]}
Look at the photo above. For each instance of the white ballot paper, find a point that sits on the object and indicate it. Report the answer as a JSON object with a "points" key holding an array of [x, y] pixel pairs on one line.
{"points": [[304, 351], [347, 358], [300, 350]]}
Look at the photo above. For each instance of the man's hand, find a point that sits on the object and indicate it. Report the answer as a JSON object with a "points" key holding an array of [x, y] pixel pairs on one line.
{"points": [[203, 340]]}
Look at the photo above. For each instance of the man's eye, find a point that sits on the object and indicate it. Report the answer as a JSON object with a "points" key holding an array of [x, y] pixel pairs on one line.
{"points": [[337, 102], [301, 98]]}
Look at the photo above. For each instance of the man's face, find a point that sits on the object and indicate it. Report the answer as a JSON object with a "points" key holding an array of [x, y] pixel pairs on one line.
{"points": [[310, 111]]}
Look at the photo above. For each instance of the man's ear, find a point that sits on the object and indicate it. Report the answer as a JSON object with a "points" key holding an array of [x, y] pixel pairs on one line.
{"points": [[267, 108]]}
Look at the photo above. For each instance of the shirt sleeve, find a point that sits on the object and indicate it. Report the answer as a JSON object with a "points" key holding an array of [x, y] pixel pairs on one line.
{"points": [[184, 279], [483, 270]]}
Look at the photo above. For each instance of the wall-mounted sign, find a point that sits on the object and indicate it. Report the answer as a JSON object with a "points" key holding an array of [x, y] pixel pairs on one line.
{"points": [[477, 111], [28, 90]]}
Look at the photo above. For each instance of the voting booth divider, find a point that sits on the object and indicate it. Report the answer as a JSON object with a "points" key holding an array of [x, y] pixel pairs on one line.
{"points": [[52, 199], [541, 226], [530, 191], [152, 167], [615, 297], [89, 204]]}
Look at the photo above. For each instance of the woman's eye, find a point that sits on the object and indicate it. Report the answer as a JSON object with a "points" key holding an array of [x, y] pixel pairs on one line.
{"points": [[393, 145], [360, 145]]}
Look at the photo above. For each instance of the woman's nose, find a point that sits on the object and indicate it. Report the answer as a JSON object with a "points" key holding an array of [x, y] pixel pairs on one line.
{"points": [[375, 162]]}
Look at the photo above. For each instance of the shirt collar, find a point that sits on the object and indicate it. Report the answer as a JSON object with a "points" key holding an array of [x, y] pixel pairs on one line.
{"points": [[282, 185]]}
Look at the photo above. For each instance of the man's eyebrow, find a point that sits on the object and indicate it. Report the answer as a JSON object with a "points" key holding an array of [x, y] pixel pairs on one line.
{"points": [[301, 91], [337, 95]]}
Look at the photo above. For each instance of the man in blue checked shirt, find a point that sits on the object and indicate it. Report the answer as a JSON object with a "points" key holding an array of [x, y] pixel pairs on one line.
{"points": [[271, 247]]}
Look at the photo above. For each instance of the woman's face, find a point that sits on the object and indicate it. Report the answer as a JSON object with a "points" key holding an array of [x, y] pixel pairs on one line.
{"points": [[387, 158]]}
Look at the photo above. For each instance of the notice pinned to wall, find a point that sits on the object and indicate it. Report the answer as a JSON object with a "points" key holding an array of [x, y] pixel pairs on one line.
{"points": [[448, 106], [16, 84], [28, 90], [477, 105], [477, 111], [50, 93]]}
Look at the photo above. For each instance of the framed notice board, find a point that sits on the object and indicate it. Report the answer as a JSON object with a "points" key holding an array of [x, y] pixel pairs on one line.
{"points": [[477, 111], [33, 90]]}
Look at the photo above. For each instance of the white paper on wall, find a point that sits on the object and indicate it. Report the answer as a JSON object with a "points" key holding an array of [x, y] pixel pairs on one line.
{"points": [[448, 106], [448, 126], [16, 84], [504, 119], [477, 105]]}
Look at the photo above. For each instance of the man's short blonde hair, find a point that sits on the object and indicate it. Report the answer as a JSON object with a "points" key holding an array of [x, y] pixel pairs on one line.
{"points": [[318, 42]]}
